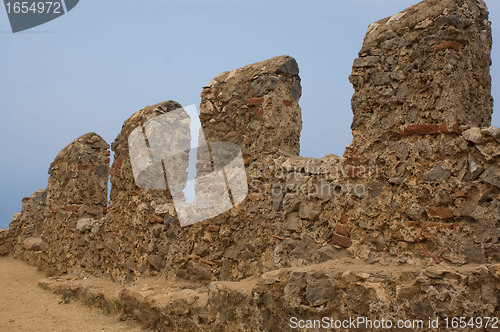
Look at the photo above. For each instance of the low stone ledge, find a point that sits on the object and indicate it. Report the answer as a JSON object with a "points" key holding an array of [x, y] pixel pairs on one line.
{"points": [[337, 289]]}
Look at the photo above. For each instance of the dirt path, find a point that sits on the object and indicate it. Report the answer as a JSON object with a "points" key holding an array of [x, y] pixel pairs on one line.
{"points": [[26, 307]]}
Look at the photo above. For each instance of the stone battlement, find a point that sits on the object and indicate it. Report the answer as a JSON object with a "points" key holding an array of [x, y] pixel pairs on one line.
{"points": [[418, 187]]}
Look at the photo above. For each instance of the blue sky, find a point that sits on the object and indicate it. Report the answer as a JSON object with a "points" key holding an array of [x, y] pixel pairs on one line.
{"points": [[92, 68]]}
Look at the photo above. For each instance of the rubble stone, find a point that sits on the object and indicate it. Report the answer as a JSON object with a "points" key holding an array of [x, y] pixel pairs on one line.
{"points": [[473, 135], [417, 190], [77, 190]]}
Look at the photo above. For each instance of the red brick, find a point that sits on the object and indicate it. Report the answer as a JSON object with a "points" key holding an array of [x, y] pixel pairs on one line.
{"points": [[259, 113], [440, 212], [115, 172], [80, 167], [458, 193], [435, 258], [231, 136], [425, 250], [288, 103], [154, 219], [443, 128], [106, 153], [73, 208], [453, 129], [213, 228], [343, 229], [422, 130], [350, 154], [344, 218], [118, 163], [397, 236], [437, 225], [353, 172], [446, 45], [341, 241], [255, 101], [428, 254]]}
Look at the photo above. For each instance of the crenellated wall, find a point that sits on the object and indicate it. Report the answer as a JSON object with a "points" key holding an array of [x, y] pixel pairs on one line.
{"points": [[26, 227], [76, 201], [418, 186], [421, 80]]}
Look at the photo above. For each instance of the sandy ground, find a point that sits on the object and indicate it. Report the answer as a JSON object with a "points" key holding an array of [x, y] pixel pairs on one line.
{"points": [[26, 307]]}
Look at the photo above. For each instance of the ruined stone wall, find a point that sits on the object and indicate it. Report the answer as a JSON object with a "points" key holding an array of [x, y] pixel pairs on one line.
{"points": [[417, 191], [26, 228], [76, 201], [419, 185], [256, 107], [140, 223], [421, 80]]}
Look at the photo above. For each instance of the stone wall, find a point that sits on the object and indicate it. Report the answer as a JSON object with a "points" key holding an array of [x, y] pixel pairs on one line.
{"points": [[27, 226], [421, 80], [76, 201], [256, 107], [140, 223], [418, 186]]}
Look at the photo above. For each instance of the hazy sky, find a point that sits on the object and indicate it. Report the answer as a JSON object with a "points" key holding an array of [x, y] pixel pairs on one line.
{"points": [[92, 68]]}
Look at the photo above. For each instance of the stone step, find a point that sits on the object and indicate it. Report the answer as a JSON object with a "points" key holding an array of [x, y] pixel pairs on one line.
{"points": [[339, 289]]}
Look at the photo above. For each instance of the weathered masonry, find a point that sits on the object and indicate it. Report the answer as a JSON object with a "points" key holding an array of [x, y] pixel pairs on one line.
{"points": [[407, 222]]}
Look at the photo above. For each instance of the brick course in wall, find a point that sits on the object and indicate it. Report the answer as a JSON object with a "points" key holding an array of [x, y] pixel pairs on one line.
{"points": [[418, 186]]}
